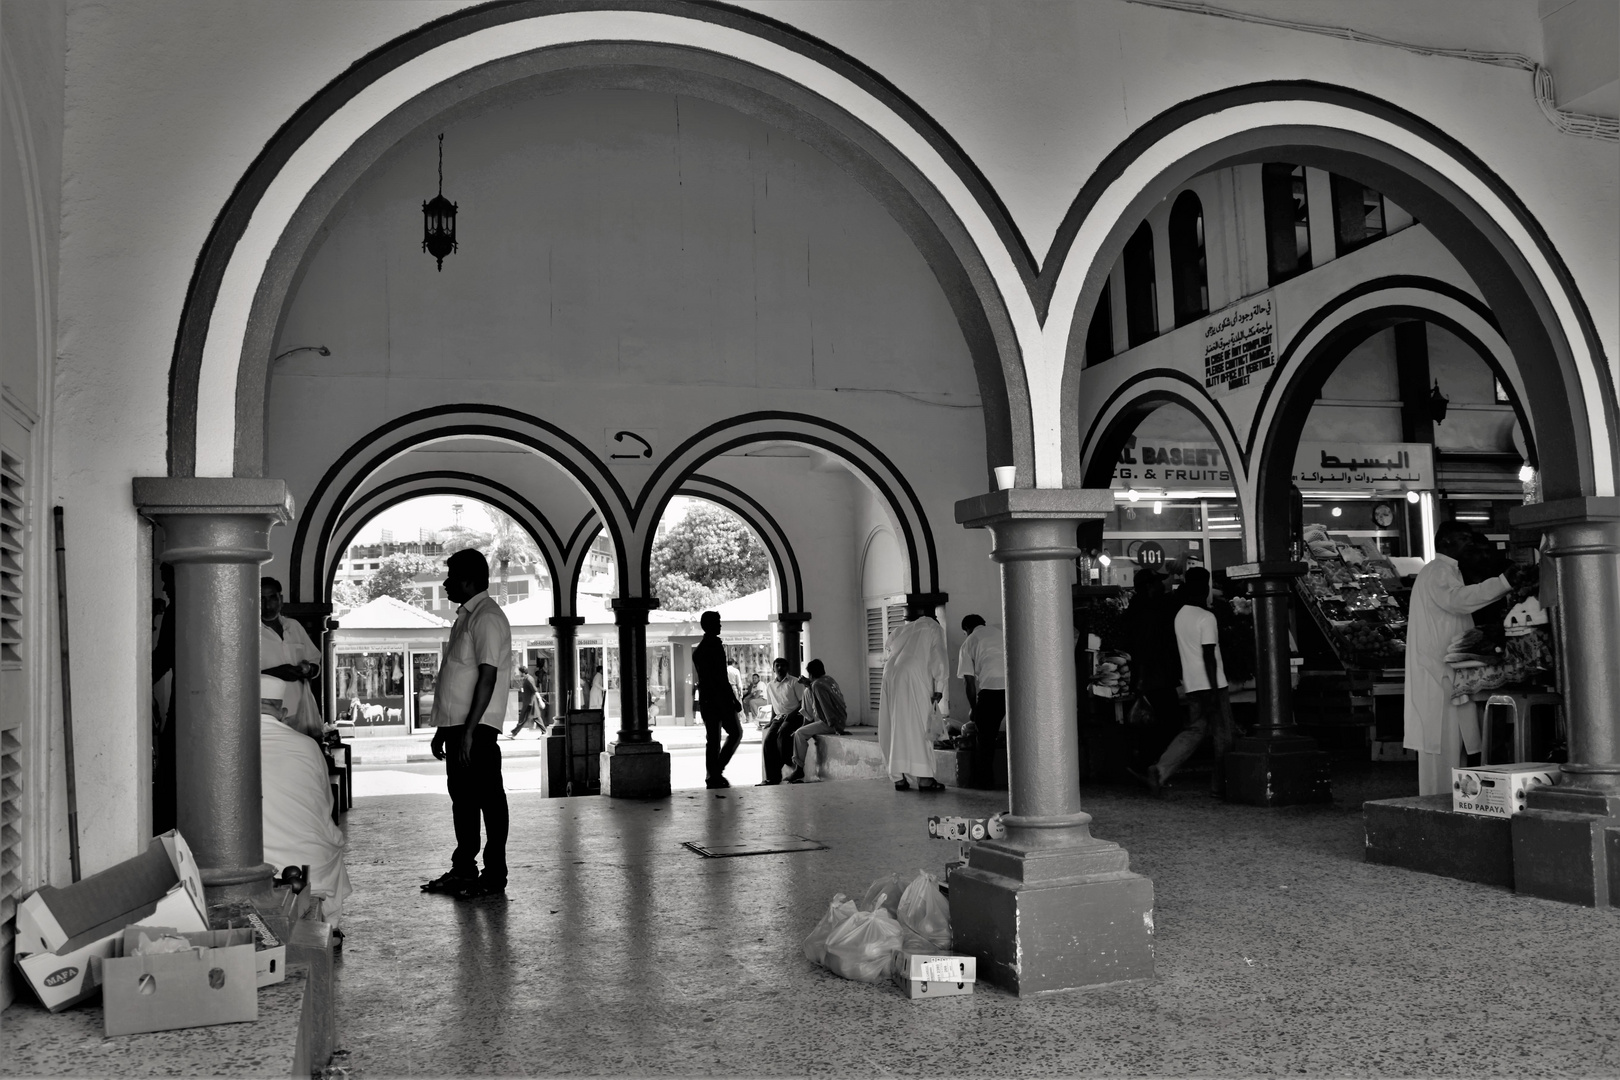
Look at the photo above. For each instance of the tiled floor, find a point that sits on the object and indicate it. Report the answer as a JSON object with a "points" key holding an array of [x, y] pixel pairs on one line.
{"points": [[1279, 950]]}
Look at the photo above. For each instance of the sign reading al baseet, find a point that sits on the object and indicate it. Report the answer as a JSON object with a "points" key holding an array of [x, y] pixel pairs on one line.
{"points": [[1364, 466], [1239, 342]]}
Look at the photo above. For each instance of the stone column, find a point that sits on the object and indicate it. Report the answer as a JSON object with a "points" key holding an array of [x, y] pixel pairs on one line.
{"points": [[792, 623], [1566, 843], [1276, 766], [634, 766], [217, 536], [566, 629], [1050, 907]]}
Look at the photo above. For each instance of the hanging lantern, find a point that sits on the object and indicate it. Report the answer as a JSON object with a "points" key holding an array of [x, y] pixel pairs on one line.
{"points": [[439, 219], [1438, 403]]}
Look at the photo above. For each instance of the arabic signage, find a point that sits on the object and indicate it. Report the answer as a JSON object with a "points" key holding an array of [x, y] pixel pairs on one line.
{"points": [[1365, 466], [1239, 342], [1163, 462]]}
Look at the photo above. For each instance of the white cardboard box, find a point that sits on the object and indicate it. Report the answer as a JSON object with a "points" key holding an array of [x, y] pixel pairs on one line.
{"points": [[60, 931], [212, 983], [1498, 790], [931, 975]]}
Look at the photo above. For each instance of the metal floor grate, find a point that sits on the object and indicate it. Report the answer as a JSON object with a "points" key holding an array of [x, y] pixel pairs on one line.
{"points": [[763, 845]]}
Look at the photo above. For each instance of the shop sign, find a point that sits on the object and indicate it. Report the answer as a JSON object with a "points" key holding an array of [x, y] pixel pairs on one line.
{"points": [[1162, 461], [1239, 342], [1363, 466]]}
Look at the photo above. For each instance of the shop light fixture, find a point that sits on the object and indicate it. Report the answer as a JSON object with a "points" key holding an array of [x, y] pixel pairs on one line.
{"points": [[1527, 473], [1158, 507], [1474, 517], [1104, 559], [1337, 512], [1413, 497], [1133, 495]]}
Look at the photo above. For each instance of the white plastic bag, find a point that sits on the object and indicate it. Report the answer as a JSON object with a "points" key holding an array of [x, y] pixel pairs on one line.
{"points": [[925, 912], [815, 946], [886, 891], [862, 947]]}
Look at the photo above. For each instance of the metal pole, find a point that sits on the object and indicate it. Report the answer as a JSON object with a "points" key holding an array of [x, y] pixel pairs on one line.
{"points": [[67, 695]]}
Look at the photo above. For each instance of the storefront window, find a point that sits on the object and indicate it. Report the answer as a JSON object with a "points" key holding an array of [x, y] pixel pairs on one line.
{"points": [[370, 688]]}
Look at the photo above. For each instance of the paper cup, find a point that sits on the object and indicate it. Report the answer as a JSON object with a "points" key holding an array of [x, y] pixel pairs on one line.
{"points": [[1004, 476]]}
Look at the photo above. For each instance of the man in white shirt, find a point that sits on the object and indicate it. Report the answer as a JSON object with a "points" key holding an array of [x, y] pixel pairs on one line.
{"points": [[469, 707], [785, 693], [287, 653], [982, 665], [1441, 605], [1203, 677]]}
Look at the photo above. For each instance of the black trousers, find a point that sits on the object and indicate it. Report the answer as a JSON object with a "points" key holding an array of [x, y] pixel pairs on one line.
{"points": [[715, 756], [778, 744], [989, 708], [478, 793]]}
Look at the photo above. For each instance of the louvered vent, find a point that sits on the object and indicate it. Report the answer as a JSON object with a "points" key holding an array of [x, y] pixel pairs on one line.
{"points": [[11, 562], [874, 688]]}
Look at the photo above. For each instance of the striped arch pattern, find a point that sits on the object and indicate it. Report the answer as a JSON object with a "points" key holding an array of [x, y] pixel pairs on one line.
{"points": [[348, 476], [863, 458], [373, 500]]}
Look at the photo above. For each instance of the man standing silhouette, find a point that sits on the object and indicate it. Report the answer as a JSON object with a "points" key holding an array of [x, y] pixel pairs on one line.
{"points": [[717, 702]]}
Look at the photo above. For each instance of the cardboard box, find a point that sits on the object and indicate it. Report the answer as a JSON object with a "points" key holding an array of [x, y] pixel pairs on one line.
{"points": [[270, 956], [61, 931], [1498, 790], [932, 975], [214, 982]]}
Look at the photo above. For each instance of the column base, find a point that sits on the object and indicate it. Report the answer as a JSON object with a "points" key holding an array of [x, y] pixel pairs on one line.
{"points": [[1284, 771], [1423, 833], [223, 883], [1045, 920], [1566, 846], [635, 771]]}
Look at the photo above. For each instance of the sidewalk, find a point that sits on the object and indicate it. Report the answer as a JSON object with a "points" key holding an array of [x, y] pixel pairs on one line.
{"points": [[413, 749]]}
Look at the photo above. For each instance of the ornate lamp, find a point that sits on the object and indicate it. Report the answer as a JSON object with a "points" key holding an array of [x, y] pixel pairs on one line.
{"points": [[439, 219], [1437, 404]]}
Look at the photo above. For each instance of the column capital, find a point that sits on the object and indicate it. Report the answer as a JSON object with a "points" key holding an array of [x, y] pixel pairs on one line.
{"points": [[797, 618], [164, 496], [632, 610], [1016, 504], [1541, 517], [569, 621]]}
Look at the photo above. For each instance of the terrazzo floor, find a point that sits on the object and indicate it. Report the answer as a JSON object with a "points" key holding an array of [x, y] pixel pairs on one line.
{"points": [[1279, 951]]}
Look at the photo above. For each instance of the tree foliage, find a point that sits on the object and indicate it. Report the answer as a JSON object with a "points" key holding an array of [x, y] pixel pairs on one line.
{"points": [[707, 558], [396, 577]]}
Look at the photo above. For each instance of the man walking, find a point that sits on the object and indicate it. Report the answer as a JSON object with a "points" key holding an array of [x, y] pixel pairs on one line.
{"points": [[1441, 605], [527, 712], [914, 677], [785, 692], [982, 665], [469, 707], [1203, 676], [717, 703], [824, 713]]}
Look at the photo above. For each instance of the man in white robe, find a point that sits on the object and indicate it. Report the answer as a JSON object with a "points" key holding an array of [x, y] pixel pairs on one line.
{"points": [[915, 670], [1441, 605], [287, 653], [297, 807]]}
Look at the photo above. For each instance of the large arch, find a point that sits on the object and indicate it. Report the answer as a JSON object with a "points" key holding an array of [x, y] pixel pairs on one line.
{"points": [[251, 261], [764, 524], [869, 463], [1524, 282], [346, 479]]}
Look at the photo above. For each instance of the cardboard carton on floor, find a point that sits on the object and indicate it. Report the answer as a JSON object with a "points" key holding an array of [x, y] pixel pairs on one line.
{"points": [[213, 982], [931, 975], [60, 931], [270, 959], [1498, 790]]}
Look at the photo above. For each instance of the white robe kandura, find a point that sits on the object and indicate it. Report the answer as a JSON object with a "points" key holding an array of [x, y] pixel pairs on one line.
{"points": [[298, 827], [292, 646], [1437, 729], [914, 669]]}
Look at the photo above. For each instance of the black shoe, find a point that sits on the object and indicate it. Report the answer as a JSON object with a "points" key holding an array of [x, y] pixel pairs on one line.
{"points": [[928, 783], [481, 888], [449, 882], [902, 784], [767, 783], [716, 782], [796, 776]]}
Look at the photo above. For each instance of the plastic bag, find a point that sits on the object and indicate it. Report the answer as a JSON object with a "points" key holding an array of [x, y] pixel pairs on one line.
{"points": [[815, 946], [886, 891], [862, 947], [924, 912]]}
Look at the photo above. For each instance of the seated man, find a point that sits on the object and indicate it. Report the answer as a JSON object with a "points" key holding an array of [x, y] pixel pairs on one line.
{"points": [[297, 806], [785, 693], [825, 713]]}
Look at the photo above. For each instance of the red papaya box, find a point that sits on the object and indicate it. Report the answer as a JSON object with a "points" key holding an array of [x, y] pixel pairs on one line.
{"points": [[166, 980], [931, 975], [1498, 790], [61, 930]]}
